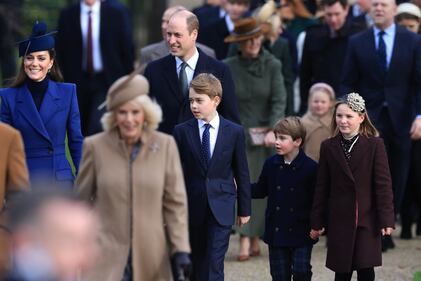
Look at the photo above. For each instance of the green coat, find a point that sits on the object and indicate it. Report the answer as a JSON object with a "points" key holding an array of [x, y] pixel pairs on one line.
{"points": [[280, 50], [261, 98]]}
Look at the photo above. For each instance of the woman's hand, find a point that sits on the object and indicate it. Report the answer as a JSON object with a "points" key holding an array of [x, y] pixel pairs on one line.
{"points": [[387, 231], [270, 139], [315, 234], [242, 220]]}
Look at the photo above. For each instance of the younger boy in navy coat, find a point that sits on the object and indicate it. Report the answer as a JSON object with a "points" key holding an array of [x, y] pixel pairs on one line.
{"points": [[212, 152], [288, 180]]}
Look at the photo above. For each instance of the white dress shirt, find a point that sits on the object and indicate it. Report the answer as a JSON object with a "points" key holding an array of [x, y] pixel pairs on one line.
{"points": [[213, 131], [191, 66], [95, 21]]}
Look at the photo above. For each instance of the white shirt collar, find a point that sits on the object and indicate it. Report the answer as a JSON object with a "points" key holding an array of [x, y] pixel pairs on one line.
{"points": [[388, 31], [214, 122], [95, 8], [192, 62]]}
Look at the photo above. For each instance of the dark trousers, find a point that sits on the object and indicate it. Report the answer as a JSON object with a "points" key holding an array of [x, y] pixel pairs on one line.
{"points": [[209, 244], [412, 200], [365, 274], [91, 93], [289, 261], [399, 154]]}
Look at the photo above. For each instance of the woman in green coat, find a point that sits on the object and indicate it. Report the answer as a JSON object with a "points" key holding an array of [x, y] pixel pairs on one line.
{"points": [[261, 98]]}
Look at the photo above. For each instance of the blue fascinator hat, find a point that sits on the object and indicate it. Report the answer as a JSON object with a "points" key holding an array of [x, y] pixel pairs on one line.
{"points": [[39, 40]]}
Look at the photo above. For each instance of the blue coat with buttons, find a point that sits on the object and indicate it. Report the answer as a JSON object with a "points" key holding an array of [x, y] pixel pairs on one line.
{"points": [[290, 190], [44, 132]]}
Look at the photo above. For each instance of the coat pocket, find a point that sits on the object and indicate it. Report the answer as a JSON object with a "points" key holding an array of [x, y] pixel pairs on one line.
{"points": [[228, 188]]}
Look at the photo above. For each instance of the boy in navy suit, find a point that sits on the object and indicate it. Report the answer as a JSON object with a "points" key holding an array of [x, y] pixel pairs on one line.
{"points": [[288, 180], [212, 151]]}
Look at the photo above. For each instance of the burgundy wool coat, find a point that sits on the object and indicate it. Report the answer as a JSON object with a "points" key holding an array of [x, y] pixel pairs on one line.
{"points": [[353, 201]]}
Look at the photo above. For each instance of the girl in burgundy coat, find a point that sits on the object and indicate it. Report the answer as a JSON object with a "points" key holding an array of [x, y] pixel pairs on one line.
{"points": [[353, 198]]}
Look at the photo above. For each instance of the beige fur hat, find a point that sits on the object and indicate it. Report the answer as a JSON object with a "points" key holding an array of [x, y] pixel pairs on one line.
{"points": [[125, 89]]}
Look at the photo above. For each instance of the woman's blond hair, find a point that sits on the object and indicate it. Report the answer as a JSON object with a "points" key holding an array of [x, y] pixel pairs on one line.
{"points": [[152, 111]]}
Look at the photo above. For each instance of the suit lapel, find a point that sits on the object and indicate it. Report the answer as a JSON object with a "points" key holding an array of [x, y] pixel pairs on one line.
{"points": [[339, 155], [170, 74], [396, 49], [220, 139], [194, 140], [51, 103], [26, 107], [201, 64]]}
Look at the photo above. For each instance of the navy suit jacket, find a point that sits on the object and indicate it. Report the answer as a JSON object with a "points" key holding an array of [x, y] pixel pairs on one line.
{"points": [[44, 132], [117, 47], [163, 81], [214, 186], [400, 88]]}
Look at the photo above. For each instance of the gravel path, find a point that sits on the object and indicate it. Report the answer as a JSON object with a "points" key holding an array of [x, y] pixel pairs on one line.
{"points": [[399, 264]]}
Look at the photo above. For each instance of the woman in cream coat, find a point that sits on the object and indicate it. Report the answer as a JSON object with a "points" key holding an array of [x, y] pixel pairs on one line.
{"points": [[132, 175]]}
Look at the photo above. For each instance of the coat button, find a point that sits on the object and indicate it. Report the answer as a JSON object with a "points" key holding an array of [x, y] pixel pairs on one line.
{"points": [[50, 151], [292, 189], [290, 229], [291, 210], [281, 167], [278, 187], [277, 208], [276, 229], [293, 168]]}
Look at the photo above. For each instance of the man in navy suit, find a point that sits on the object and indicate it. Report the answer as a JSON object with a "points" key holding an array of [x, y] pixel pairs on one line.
{"points": [[383, 64], [213, 157], [94, 48], [170, 76]]}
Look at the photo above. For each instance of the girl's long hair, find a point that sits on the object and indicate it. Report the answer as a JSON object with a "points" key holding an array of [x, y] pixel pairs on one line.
{"points": [[366, 127], [54, 74]]}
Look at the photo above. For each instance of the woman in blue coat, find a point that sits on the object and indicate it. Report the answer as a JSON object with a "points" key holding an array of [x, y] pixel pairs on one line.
{"points": [[44, 111]]}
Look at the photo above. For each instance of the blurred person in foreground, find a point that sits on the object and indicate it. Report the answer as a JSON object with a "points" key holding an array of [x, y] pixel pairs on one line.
{"points": [[13, 179], [132, 176], [54, 236]]}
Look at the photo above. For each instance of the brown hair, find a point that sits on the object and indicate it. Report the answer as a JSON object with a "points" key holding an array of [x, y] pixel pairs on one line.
{"points": [[240, 2], [367, 128], [299, 8], [55, 73], [291, 126], [207, 84]]}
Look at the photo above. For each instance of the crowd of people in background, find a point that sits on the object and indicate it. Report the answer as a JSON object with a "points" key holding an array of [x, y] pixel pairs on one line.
{"points": [[278, 120]]}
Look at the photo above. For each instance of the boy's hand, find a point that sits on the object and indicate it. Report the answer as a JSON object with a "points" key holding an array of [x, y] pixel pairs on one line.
{"points": [[315, 234], [270, 139], [387, 231], [242, 220]]}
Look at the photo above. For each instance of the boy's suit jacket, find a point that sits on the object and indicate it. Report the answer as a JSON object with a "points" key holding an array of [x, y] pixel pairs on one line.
{"points": [[44, 132], [215, 186]]}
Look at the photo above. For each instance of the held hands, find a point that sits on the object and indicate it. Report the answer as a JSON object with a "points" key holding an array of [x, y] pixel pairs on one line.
{"points": [[181, 266], [315, 234], [242, 220], [415, 131], [270, 139], [387, 231]]}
